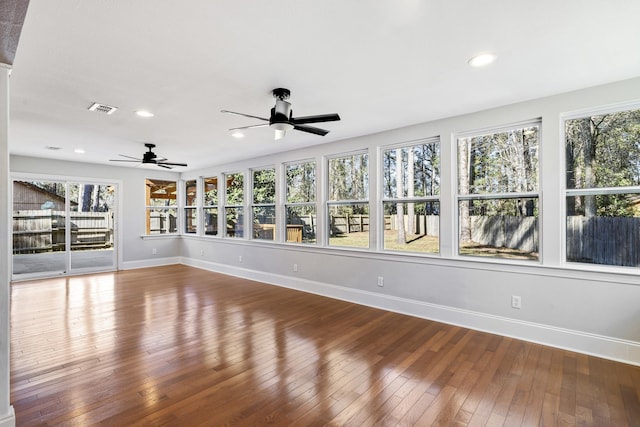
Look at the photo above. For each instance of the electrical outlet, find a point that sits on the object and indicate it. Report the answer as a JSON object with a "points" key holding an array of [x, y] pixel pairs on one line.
{"points": [[201, 252], [516, 301], [295, 267], [154, 251], [239, 258], [380, 281]]}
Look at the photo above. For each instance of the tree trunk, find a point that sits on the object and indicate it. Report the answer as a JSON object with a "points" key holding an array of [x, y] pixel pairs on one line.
{"points": [[96, 199], [589, 158], [85, 198], [569, 149], [402, 238], [411, 226], [463, 183]]}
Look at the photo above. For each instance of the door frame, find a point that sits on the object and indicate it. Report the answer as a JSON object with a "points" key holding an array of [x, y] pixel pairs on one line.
{"points": [[117, 230]]}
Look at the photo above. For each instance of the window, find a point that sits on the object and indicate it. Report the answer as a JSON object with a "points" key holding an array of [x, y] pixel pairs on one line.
{"points": [[347, 201], [210, 206], [162, 210], [190, 211], [410, 203], [263, 209], [603, 188], [234, 205], [498, 193], [300, 205]]}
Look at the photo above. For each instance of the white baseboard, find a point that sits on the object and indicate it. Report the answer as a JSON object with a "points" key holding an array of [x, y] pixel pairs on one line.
{"points": [[9, 419], [152, 262], [581, 342]]}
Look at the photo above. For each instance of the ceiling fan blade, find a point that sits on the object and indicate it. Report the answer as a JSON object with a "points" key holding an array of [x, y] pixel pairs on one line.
{"points": [[244, 115], [122, 160], [170, 164], [129, 157], [163, 166], [250, 127], [280, 134], [315, 119], [311, 129]]}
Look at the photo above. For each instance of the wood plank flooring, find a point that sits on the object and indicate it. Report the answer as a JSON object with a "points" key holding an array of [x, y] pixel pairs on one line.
{"points": [[179, 346]]}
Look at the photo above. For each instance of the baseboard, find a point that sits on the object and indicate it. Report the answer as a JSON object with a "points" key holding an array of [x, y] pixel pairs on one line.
{"points": [[151, 262], [9, 419], [567, 339]]}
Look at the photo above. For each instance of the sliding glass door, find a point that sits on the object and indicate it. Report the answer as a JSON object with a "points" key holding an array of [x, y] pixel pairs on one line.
{"points": [[62, 227], [91, 220]]}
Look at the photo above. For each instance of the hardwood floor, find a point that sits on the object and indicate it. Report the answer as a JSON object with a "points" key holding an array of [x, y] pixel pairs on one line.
{"points": [[186, 347]]}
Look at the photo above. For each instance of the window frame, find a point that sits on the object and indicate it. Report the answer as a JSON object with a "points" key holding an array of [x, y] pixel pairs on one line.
{"points": [[149, 208], [383, 199], [189, 208], [590, 191], [329, 203], [306, 204], [502, 195], [205, 207], [255, 233], [239, 207]]}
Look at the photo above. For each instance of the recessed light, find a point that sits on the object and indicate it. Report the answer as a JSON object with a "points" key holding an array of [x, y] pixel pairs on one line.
{"points": [[237, 135], [79, 151], [144, 113], [482, 60]]}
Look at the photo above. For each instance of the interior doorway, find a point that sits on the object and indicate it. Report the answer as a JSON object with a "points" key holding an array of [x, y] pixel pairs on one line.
{"points": [[63, 227]]}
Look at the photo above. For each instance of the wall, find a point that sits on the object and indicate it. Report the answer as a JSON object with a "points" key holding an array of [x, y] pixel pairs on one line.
{"points": [[7, 416], [135, 251], [586, 308]]}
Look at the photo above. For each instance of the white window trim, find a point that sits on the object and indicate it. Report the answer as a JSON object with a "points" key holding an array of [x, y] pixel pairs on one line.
{"points": [[328, 203], [285, 205], [457, 197], [566, 192], [382, 199]]}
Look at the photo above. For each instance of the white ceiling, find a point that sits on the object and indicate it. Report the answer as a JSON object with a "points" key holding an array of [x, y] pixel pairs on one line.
{"points": [[381, 65]]}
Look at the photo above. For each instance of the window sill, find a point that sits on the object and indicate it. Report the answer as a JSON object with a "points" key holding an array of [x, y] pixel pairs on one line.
{"points": [[160, 236]]}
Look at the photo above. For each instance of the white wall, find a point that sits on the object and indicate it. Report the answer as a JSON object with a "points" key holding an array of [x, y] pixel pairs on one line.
{"points": [[590, 309], [135, 250]]}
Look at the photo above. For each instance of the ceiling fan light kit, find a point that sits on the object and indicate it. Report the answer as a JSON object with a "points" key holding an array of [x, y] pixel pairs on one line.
{"points": [[281, 119]]}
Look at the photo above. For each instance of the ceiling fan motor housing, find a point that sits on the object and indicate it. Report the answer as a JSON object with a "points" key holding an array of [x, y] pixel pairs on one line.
{"points": [[149, 157], [281, 115]]}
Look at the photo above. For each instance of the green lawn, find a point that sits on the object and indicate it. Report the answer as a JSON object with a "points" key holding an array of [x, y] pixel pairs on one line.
{"points": [[415, 243]]}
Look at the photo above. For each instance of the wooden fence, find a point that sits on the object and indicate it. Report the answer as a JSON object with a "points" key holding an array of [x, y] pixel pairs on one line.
{"points": [[349, 224], [161, 222], [44, 230], [604, 240], [506, 232], [428, 225]]}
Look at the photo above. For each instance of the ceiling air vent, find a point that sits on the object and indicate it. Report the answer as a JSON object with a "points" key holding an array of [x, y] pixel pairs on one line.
{"points": [[103, 108]]}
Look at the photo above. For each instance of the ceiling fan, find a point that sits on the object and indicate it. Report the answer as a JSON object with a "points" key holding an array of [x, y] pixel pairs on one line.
{"points": [[282, 120], [151, 158]]}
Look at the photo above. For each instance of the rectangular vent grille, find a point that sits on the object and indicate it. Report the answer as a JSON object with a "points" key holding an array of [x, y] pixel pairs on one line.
{"points": [[103, 108]]}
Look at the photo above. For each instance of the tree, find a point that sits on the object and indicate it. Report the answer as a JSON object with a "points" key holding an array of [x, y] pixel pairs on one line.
{"points": [[84, 199], [402, 238], [264, 186], [463, 188], [603, 151], [411, 227]]}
